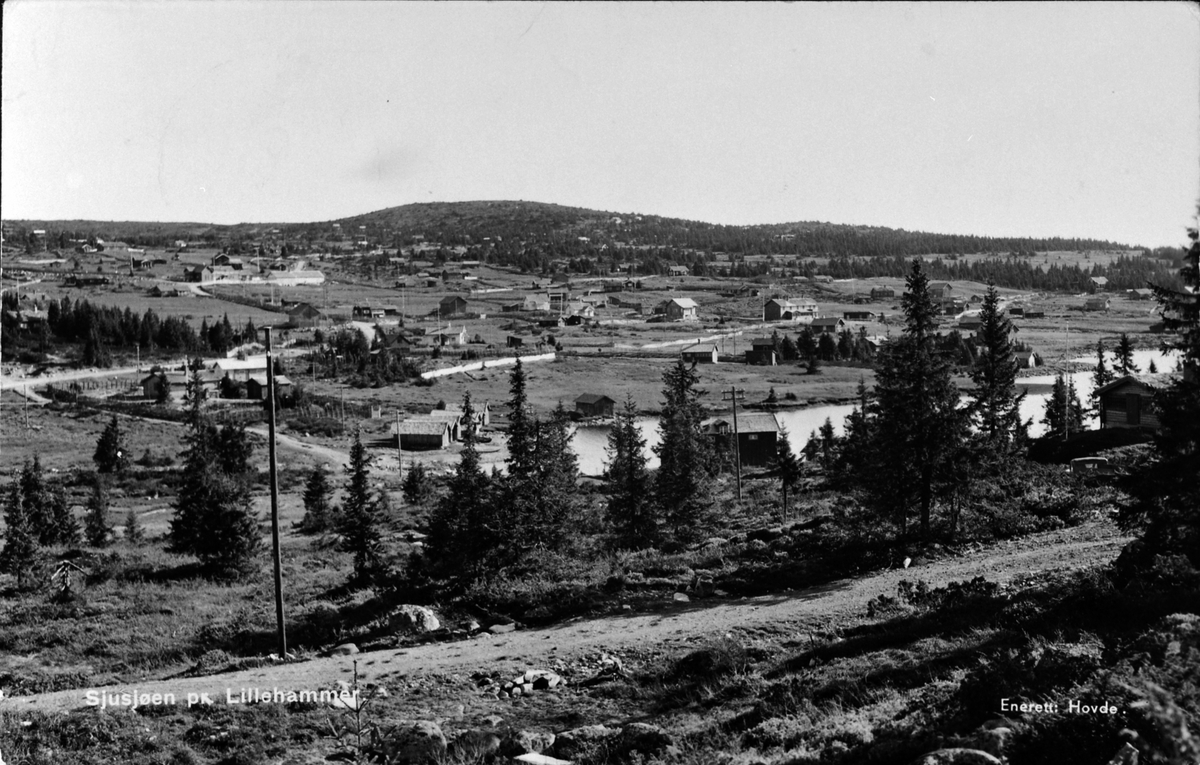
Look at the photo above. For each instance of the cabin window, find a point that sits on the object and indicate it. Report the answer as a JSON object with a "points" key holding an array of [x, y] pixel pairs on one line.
{"points": [[751, 436]]}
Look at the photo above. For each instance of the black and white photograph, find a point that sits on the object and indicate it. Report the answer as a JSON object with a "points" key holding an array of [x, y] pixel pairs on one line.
{"points": [[599, 383]]}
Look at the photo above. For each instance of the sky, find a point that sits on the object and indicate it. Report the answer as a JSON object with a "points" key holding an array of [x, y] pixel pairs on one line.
{"points": [[1000, 119]]}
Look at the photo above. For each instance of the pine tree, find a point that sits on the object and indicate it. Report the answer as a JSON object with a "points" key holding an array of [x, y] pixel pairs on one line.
{"points": [[35, 498], [630, 510], [111, 455], [520, 462], [555, 481], [20, 555], [918, 428], [317, 496], [1124, 354], [828, 443], [66, 527], [788, 466], [359, 521], [996, 403], [681, 486], [97, 528]]}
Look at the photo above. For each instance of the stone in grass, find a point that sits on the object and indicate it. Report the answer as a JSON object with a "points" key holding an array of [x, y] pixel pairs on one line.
{"points": [[579, 740], [410, 618], [958, 756], [644, 738], [419, 743], [526, 741], [500, 629], [473, 746], [681, 598], [345, 649]]}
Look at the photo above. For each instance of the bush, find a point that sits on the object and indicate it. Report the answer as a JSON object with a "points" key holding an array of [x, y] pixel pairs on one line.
{"points": [[320, 426]]}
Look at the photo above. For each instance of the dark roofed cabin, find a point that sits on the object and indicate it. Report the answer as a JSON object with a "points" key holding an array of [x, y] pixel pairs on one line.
{"points": [[1129, 402], [594, 405], [758, 435]]}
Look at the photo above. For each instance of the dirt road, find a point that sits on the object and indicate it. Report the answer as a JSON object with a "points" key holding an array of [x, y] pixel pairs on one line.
{"points": [[672, 626]]}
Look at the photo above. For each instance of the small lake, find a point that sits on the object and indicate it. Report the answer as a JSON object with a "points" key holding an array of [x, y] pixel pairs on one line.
{"points": [[591, 442]]}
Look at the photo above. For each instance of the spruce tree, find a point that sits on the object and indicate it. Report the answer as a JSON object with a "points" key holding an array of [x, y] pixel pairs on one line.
{"points": [[133, 528], [681, 486], [520, 462], [788, 466], [1063, 415], [416, 485], [918, 428], [66, 527], [20, 555], [35, 498], [995, 404], [1101, 376], [111, 454], [1169, 494], [630, 509], [464, 537], [1124, 354], [97, 528], [359, 522], [317, 495]]}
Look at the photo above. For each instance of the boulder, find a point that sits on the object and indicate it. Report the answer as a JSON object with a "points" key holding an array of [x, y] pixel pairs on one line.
{"points": [[992, 740], [570, 743], [681, 598], [409, 618], [644, 738], [958, 756], [345, 649], [500, 629], [419, 743], [526, 742], [474, 745]]}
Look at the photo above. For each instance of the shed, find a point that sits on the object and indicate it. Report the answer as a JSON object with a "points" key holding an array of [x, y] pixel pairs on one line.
{"points": [[152, 384], [419, 433], [700, 353], [940, 290], [785, 309], [241, 369], [859, 315], [678, 271], [830, 324], [449, 336], [594, 405], [882, 293], [762, 351], [256, 387], [1095, 304], [305, 315], [1129, 401]]}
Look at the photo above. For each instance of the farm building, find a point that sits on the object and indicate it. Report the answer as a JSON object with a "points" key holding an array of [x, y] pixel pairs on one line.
{"points": [[512, 341], [882, 293], [1141, 293], [256, 387], [700, 353], [580, 309], [678, 271], [483, 414], [1098, 283], [296, 278], [152, 384], [420, 433], [1035, 313], [971, 323], [784, 309], [158, 291], [550, 323], [367, 312], [859, 315], [1095, 304], [594, 405], [535, 303], [449, 336], [940, 290], [831, 324], [757, 436], [228, 260], [1129, 401], [241, 369], [678, 309], [452, 305], [762, 351], [305, 315]]}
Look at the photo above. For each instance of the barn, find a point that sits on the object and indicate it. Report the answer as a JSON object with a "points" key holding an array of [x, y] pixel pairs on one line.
{"points": [[452, 305], [762, 351], [419, 433], [256, 388], [700, 353]]}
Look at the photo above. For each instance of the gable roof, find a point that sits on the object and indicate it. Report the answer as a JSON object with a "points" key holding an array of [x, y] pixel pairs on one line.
{"points": [[1154, 382], [700, 348], [684, 302], [451, 300], [417, 426], [592, 398], [748, 422]]}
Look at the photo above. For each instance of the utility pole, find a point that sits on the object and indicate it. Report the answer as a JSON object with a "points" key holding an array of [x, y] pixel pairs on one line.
{"points": [[399, 450], [732, 396], [279, 628]]}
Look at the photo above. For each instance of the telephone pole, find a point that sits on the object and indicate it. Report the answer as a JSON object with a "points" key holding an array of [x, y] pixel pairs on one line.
{"points": [[733, 396], [281, 633]]}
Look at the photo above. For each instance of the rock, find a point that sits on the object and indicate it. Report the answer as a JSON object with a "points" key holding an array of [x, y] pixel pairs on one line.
{"points": [[493, 720], [345, 649], [958, 756], [474, 745], [500, 629], [626, 607], [705, 586], [992, 740], [526, 742], [681, 598], [756, 545], [644, 738], [572, 742], [1126, 755], [473, 626], [409, 618], [719, 593], [420, 743]]}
